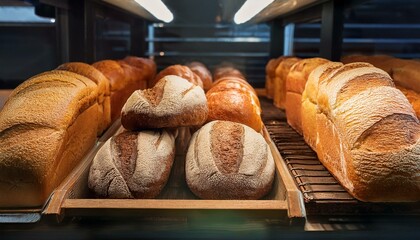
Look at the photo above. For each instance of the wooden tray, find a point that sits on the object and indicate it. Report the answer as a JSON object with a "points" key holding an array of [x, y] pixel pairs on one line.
{"points": [[73, 198]]}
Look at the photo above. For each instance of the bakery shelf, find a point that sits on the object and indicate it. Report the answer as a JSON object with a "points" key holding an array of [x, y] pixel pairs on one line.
{"points": [[322, 194], [73, 198]]}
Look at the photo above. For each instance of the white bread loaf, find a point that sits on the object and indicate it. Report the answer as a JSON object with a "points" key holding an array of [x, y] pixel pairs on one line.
{"points": [[172, 102], [46, 126], [133, 165], [228, 160], [368, 135]]}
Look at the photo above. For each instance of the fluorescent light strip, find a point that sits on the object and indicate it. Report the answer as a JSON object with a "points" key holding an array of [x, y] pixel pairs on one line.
{"points": [[157, 8], [250, 9]]}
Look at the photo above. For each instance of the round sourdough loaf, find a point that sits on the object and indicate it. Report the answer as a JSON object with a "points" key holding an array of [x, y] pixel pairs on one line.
{"points": [[228, 160], [133, 165], [172, 102]]}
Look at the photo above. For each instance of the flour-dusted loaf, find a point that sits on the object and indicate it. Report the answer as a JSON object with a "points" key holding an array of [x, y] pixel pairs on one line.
{"points": [[172, 102], [295, 85], [104, 100], [47, 125], [228, 160], [368, 135], [133, 165]]}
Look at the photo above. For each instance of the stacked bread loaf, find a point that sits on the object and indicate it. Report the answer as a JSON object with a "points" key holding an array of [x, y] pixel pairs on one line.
{"points": [[232, 99], [137, 162], [47, 125]]}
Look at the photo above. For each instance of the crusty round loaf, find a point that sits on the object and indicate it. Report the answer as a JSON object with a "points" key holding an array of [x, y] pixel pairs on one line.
{"points": [[180, 71], [172, 102], [103, 90], [133, 165], [202, 71], [227, 160], [232, 99]]}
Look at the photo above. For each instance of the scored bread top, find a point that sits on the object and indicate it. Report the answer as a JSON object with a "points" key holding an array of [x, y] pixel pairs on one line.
{"points": [[172, 94], [228, 160]]}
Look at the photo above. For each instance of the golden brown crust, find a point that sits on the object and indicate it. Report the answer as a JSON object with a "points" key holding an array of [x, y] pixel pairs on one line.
{"points": [[180, 71], [103, 90], [279, 83], [368, 135], [147, 66], [270, 74], [121, 86], [295, 85], [202, 71], [46, 126], [227, 160], [227, 71]]}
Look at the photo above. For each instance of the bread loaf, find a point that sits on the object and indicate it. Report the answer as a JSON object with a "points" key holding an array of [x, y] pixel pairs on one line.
{"points": [[121, 85], [270, 74], [279, 83], [102, 83], [227, 160], [146, 69], [133, 165], [405, 73], [172, 102], [204, 74], [227, 71], [368, 134], [295, 85], [180, 71], [309, 107], [46, 126], [232, 99]]}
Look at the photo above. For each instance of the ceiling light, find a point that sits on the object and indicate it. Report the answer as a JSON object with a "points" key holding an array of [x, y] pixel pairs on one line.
{"points": [[157, 8], [250, 9]]}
